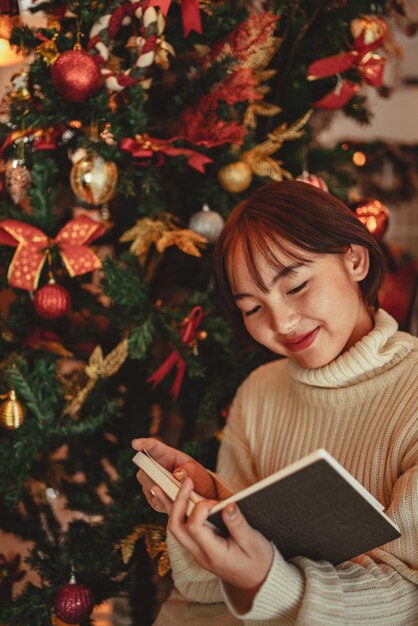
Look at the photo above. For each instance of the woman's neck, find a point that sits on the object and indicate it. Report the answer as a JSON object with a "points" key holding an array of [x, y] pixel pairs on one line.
{"points": [[365, 323]]}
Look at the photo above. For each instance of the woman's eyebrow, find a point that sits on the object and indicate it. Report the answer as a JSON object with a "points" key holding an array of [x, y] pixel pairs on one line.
{"points": [[284, 271]]}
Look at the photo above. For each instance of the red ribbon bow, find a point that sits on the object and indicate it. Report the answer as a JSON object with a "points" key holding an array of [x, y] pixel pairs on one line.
{"points": [[32, 245], [144, 147], [174, 358], [370, 65], [190, 13]]}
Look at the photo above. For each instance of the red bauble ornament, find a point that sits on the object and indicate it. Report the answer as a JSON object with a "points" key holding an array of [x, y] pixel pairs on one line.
{"points": [[76, 75], [313, 179], [52, 301], [73, 602], [374, 215]]}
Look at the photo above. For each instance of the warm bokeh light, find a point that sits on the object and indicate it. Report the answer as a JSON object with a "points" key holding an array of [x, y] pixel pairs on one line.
{"points": [[8, 56], [359, 159], [374, 215]]}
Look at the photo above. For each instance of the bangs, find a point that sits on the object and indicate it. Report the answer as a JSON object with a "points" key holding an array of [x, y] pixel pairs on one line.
{"points": [[258, 241]]}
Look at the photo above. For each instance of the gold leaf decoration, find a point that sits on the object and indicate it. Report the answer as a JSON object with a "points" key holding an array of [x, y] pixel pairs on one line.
{"points": [[98, 367], [258, 158], [163, 233], [155, 544], [185, 239]]}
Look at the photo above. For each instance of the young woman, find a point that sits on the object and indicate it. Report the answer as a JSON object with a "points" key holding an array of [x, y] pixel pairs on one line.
{"points": [[300, 275]]}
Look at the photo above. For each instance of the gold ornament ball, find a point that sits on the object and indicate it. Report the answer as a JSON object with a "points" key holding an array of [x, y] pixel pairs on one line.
{"points": [[93, 179], [235, 177], [12, 413]]}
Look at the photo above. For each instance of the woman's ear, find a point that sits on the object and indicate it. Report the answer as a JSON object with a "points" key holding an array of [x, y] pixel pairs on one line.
{"points": [[357, 262]]}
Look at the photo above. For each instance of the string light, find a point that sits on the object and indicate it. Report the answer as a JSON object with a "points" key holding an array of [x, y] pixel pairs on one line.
{"points": [[359, 159], [8, 56]]}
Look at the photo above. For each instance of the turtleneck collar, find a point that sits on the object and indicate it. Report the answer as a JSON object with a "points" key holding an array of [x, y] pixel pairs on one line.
{"points": [[379, 350]]}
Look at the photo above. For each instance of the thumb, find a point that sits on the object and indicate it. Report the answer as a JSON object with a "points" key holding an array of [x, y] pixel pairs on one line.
{"points": [[202, 480], [180, 473], [237, 525]]}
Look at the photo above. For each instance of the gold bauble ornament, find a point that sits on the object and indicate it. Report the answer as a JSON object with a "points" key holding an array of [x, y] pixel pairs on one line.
{"points": [[12, 413], [93, 179], [235, 177]]}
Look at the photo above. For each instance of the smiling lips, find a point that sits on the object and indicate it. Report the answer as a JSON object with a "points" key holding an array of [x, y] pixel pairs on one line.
{"points": [[302, 342]]}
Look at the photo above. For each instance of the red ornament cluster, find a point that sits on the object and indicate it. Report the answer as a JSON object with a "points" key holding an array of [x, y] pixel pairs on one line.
{"points": [[52, 301], [374, 215], [73, 602]]}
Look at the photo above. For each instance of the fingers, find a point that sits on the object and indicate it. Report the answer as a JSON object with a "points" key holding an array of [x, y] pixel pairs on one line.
{"points": [[245, 536], [167, 456], [203, 481], [179, 525], [155, 497], [180, 474], [237, 525], [161, 502], [158, 500], [147, 443], [144, 480]]}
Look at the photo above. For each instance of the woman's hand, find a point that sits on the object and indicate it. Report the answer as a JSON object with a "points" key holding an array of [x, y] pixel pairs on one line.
{"points": [[180, 464], [242, 560]]}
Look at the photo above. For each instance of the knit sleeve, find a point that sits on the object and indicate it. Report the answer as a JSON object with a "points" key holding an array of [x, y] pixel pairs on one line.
{"points": [[234, 464], [378, 588]]}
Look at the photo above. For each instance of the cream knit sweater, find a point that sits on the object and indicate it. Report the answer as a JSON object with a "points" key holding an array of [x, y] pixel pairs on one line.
{"points": [[363, 408]]}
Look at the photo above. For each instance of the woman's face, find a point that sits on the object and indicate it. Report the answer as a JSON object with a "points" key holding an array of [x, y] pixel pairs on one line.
{"points": [[313, 310]]}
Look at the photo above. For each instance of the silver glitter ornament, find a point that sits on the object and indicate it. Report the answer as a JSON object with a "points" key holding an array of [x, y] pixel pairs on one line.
{"points": [[207, 223]]}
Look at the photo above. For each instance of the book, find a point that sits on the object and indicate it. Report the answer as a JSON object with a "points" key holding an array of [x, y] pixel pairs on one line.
{"points": [[313, 508], [163, 478]]}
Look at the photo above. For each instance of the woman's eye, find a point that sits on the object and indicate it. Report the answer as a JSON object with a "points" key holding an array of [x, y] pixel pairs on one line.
{"points": [[251, 311], [298, 288]]}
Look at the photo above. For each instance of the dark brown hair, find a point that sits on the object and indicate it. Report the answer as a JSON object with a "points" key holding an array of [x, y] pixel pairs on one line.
{"points": [[298, 213]]}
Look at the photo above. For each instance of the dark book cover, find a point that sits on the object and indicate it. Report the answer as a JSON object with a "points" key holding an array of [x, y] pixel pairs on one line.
{"points": [[315, 512]]}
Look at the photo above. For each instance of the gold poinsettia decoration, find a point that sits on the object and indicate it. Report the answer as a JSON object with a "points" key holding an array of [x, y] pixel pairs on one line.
{"points": [[258, 158], [261, 107], [162, 232], [98, 367], [155, 544]]}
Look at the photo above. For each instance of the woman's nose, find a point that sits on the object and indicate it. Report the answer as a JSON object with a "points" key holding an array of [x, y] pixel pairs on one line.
{"points": [[284, 320]]}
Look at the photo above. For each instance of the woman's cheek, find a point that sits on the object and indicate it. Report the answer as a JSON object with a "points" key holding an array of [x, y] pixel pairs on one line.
{"points": [[252, 326]]}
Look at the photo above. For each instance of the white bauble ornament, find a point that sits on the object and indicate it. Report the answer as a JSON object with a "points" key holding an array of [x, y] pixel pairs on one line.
{"points": [[207, 223]]}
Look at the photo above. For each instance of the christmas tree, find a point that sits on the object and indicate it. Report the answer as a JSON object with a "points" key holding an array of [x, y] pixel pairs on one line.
{"points": [[126, 142]]}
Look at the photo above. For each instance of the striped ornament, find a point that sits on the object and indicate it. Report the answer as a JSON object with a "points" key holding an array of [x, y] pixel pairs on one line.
{"points": [[151, 25], [313, 179]]}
